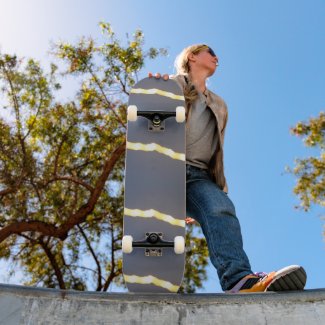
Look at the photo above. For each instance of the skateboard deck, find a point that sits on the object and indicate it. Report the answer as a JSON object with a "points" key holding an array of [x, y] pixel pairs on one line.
{"points": [[155, 176]]}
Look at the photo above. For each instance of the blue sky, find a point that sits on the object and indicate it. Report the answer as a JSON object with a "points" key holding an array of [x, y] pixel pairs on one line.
{"points": [[271, 74]]}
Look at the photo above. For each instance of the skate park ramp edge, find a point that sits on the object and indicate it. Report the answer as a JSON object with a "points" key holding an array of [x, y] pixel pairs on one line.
{"points": [[31, 305]]}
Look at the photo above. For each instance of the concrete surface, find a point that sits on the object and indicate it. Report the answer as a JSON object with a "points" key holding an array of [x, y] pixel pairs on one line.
{"points": [[27, 305]]}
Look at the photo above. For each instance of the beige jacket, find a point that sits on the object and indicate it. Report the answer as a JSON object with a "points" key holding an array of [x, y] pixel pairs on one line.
{"points": [[219, 108]]}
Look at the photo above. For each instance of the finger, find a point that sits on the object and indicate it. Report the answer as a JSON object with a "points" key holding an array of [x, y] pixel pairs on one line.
{"points": [[189, 220]]}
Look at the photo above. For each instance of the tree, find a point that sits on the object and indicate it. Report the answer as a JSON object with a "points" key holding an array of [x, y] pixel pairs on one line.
{"points": [[310, 172], [62, 165]]}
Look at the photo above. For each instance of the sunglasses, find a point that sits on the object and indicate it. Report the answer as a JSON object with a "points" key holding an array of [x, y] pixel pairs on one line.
{"points": [[211, 52], [203, 47]]}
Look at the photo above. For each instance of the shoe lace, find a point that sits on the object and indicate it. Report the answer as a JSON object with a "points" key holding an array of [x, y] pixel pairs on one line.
{"points": [[261, 275]]}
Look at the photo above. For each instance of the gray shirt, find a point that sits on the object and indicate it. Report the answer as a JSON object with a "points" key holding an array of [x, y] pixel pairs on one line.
{"points": [[201, 140]]}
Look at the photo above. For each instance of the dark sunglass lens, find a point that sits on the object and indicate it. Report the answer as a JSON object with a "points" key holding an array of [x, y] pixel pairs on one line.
{"points": [[211, 52]]}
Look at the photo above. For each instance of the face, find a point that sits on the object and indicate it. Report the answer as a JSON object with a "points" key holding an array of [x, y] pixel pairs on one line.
{"points": [[204, 58]]}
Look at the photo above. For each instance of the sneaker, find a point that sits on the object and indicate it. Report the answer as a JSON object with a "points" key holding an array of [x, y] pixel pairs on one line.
{"points": [[292, 277]]}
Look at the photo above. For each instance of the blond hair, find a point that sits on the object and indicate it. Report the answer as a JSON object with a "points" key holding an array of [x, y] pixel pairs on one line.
{"points": [[181, 63], [183, 68]]}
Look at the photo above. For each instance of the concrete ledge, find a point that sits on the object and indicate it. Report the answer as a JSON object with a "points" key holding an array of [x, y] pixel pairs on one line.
{"points": [[27, 305]]}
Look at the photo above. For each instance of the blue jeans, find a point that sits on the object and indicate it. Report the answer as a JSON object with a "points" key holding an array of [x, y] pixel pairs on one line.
{"points": [[215, 212]]}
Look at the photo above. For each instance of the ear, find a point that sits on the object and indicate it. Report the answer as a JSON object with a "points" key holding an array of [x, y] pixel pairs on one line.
{"points": [[191, 57]]}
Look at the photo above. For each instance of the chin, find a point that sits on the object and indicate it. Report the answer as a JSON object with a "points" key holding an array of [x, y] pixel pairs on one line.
{"points": [[211, 72]]}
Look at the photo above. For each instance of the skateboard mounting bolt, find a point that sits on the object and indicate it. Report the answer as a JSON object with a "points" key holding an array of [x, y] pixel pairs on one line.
{"points": [[156, 120], [153, 238]]}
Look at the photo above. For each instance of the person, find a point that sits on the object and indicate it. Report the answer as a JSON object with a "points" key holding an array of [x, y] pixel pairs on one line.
{"points": [[207, 200]]}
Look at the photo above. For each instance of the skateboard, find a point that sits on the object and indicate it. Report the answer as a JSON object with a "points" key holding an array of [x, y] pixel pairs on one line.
{"points": [[153, 243]]}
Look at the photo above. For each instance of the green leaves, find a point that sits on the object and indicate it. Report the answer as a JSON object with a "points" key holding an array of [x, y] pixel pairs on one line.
{"points": [[196, 260], [313, 132], [310, 172]]}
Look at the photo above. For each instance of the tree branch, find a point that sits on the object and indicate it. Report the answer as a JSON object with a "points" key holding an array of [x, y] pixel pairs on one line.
{"points": [[16, 108], [37, 112], [50, 256], [71, 179], [15, 186], [64, 137], [19, 227], [54, 263], [112, 273], [104, 96], [82, 213], [99, 273], [80, 216]]}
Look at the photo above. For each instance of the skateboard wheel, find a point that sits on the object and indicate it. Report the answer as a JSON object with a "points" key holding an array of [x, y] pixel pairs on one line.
{"points": [[180, 114], [179, 245], [127, 244], [132, 113]]}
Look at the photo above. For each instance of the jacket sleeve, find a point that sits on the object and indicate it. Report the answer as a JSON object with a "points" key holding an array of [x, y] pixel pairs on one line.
{"points": [[223, 131]]}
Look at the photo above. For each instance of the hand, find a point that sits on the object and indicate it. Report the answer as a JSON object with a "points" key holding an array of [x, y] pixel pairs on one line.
{"points": [[189, 220], [158, 76]]}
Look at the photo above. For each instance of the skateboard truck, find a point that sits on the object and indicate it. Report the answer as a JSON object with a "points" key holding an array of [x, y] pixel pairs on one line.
{"points": [[156, 118], [152, 243]]}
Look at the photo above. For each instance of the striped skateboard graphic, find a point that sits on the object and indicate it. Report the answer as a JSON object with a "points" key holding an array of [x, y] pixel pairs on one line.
{"points": [[153, 242]]}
